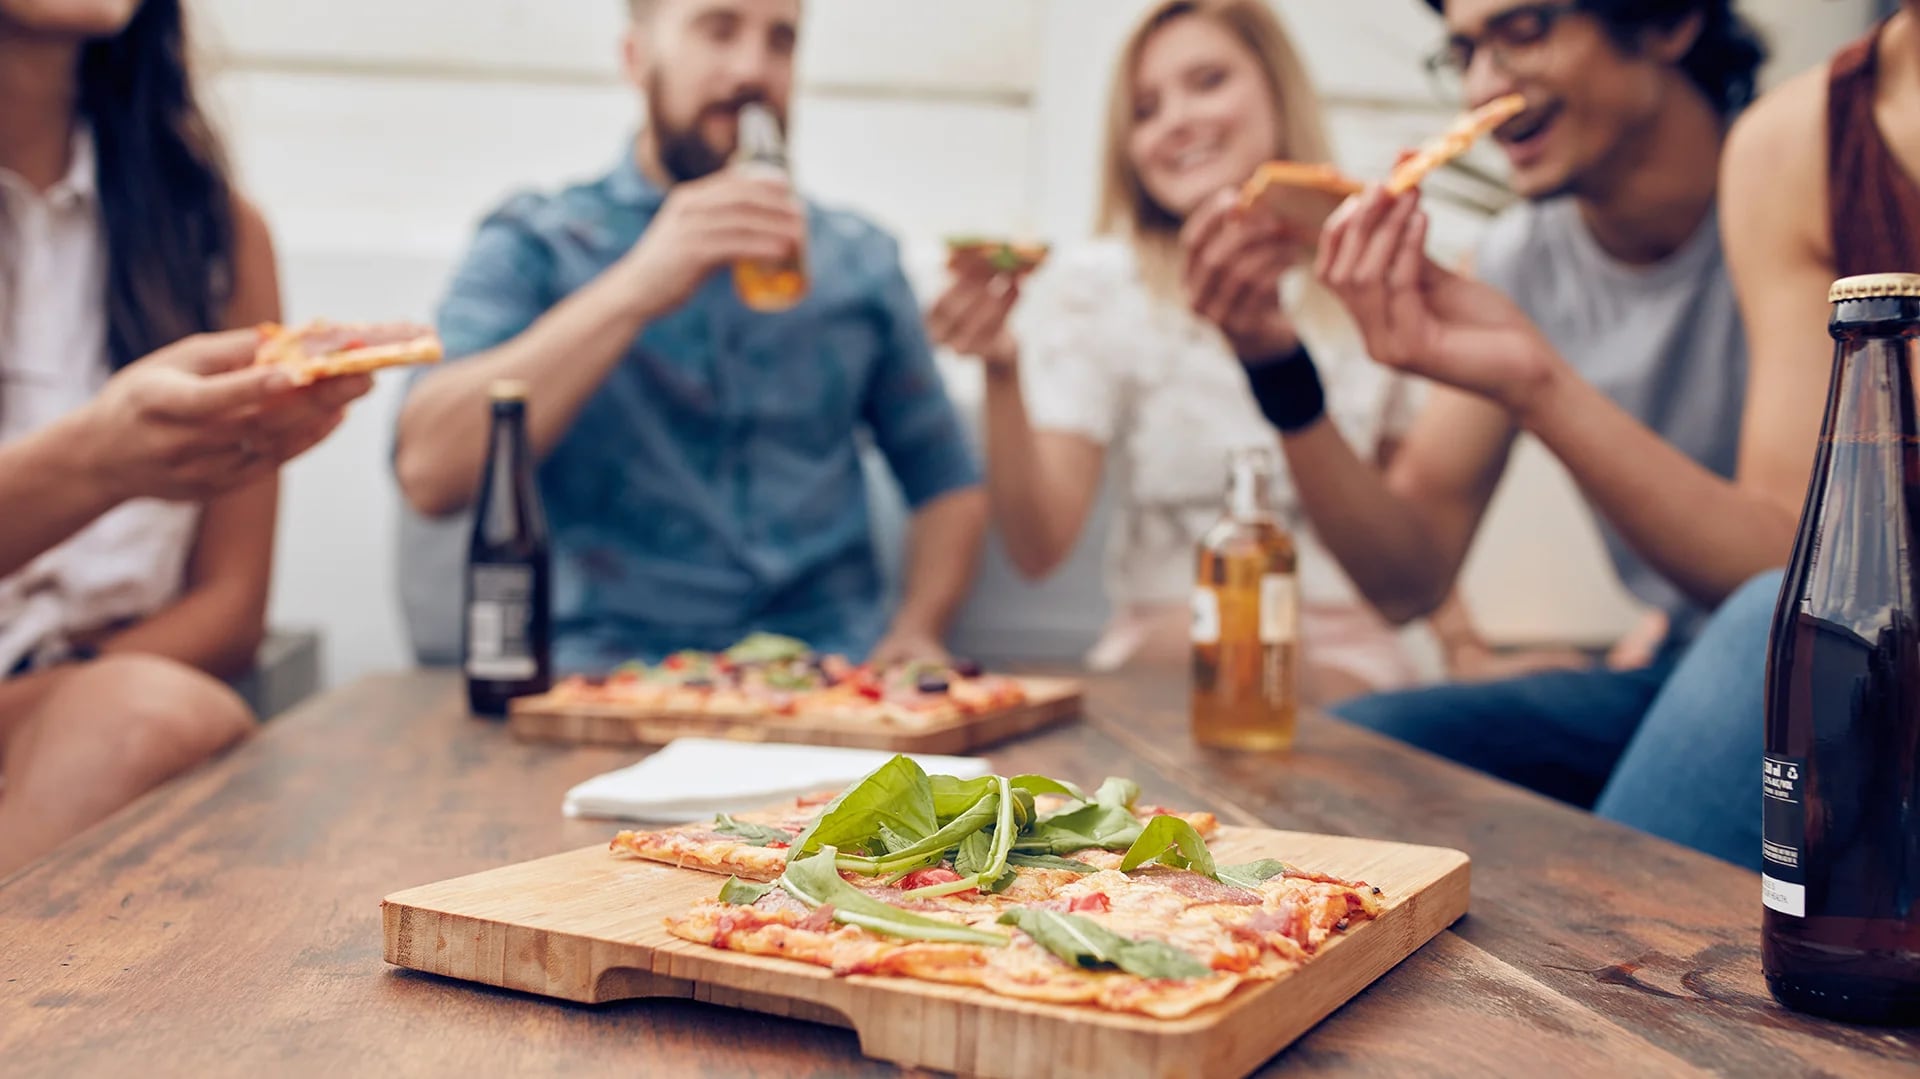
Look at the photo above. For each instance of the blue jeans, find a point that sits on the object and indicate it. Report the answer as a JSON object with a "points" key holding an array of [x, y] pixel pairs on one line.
{"points": [[1673, 749]]}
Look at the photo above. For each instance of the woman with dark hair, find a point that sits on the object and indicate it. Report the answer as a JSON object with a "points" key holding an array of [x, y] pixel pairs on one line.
{"points": [[137, 496]]}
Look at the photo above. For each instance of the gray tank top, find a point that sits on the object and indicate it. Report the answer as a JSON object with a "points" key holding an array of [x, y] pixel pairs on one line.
{"points": [[1664, 341]]}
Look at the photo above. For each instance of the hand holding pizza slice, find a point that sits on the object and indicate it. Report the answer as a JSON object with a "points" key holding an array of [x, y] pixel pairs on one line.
{"points": [[1305, 194]]}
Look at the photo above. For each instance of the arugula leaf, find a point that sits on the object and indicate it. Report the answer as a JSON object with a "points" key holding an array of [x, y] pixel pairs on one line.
{"points": [[1091, 826], [1047, 785], [896, 794], [815, 881], [1117, 792], [1251, 874], [1170, 841], [1086, 943], [971, 856], [767, 648], [742, 893], [893, 842], [952, 797], [1048, 861], [757, 834], [939, 843]]}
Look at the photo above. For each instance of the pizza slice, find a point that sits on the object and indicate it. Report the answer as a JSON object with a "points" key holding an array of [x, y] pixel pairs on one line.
{"points": [[321, 349], [986, 257], [1305, 194], [1414, 168], [1300, 194]]}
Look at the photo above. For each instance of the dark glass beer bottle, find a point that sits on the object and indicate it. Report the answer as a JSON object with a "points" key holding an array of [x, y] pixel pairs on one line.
{"points": [[506, 640], [1841, 774]]}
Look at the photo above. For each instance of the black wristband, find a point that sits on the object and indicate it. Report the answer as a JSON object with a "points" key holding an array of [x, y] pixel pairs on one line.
{"points": [[1288, 390]]}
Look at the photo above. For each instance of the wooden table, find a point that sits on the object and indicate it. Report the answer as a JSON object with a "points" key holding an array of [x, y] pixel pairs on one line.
{"points": [[230, 925]]}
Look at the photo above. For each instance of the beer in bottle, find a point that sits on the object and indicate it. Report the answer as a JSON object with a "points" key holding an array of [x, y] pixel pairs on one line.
{"points": [[766, 286], [1840, 778], [508, 628], [1246, 618]]}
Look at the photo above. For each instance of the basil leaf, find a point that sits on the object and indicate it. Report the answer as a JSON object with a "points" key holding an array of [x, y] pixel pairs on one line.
{"points": [[815, 881], [757, 834], [896, 794], [1086, 943], [1117, 792], [742, 893], [1170, 841], [1048, 861], [1252, 874]]}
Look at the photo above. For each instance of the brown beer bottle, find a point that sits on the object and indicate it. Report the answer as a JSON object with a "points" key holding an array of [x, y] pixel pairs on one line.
{"points": [[1246, 618], [1840, 779], [506, 643], [766, 286]]}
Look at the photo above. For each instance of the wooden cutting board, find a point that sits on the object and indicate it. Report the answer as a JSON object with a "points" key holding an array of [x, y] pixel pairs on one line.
{"points": [[1049, 701], [586, 926]]}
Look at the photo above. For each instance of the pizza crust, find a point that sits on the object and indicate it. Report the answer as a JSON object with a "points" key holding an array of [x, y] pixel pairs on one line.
{"points": [[319, 349]]}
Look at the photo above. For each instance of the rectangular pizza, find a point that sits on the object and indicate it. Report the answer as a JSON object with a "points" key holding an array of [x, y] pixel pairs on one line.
{"points": [[777, 677], [1024, 886]]}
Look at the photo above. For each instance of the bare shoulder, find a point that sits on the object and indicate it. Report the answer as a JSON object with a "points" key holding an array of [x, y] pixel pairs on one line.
{"points": [[256, 275], [1773, 175]]}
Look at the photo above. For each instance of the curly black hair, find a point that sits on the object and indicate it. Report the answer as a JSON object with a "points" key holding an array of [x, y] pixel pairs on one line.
{"points": [[1725, 59]]}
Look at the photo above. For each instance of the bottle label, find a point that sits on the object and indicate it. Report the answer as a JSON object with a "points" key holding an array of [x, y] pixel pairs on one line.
{"points": [[1206, 616], [1279, 609], [1783, 829], [500, 623]]}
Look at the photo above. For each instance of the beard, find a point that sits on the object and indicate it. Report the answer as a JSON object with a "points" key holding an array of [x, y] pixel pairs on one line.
{"points": [[684, 153]]}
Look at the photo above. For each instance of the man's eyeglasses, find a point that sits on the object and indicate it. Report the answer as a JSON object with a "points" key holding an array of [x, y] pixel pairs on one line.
{"points": [[1511, 38]]}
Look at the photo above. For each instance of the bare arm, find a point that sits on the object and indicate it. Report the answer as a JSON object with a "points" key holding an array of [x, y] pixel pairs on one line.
{"points": [[1703, 533], [943, 547], [40, 471], [568, 351], [1706, 534], [219, 619], [1400, 530], [1042, 484]]}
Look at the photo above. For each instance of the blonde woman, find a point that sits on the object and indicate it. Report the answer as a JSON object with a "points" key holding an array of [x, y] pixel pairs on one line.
{"points": [[1103, 374]]}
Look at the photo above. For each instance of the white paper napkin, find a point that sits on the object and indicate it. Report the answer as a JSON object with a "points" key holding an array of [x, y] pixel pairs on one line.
{"points": [[691, 779]]}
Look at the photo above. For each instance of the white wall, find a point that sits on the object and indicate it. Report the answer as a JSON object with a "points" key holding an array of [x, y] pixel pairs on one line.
{"points": [[373, 132]]}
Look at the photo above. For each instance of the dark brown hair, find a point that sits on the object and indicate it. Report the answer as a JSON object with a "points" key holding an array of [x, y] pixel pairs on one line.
{"points": [[164, 193], [1725, 59]]}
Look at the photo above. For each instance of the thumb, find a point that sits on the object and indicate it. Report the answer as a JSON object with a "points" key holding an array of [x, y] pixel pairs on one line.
{"points": [[210, 353], [193, 397]]}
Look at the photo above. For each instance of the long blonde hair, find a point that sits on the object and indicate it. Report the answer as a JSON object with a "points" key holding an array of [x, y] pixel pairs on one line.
{"points": [[1127, 211]]}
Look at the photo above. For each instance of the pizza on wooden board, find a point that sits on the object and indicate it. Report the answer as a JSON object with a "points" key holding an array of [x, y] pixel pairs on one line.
{"points": [[1306, 194], [1024, 886], [320, 349], [776, 677]]}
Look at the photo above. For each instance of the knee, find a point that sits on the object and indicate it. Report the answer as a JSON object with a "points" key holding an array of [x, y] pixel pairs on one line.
{"points": [[1756, 599], [164, 715]]}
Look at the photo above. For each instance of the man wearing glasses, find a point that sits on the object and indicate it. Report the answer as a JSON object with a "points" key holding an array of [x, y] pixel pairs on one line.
{"points": [[1602, 321]]}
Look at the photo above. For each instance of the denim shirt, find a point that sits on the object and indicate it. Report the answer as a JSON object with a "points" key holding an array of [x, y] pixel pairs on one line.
{"points": [[712, 485]]}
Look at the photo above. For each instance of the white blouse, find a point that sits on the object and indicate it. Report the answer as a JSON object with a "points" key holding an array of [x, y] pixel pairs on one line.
{"points": [[1162, 391], [130, 562]]}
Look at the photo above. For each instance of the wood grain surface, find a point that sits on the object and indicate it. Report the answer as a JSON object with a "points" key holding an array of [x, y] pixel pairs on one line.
{"points": [[230, 924], [588, 926]]}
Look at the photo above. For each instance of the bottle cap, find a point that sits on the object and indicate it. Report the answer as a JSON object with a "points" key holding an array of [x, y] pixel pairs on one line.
{"points": [[508, 389], [760, 138], [1874, 286]]}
